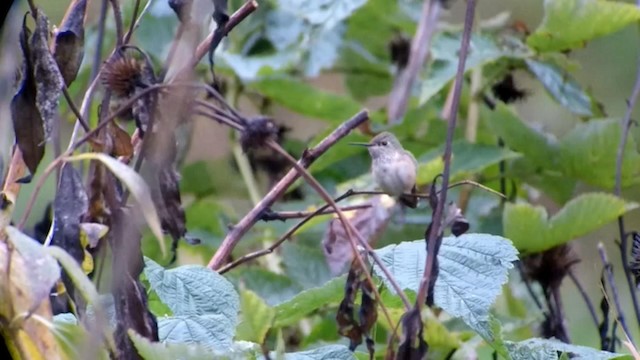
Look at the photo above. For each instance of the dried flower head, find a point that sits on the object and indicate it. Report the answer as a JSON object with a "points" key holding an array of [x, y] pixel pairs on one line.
{"points": [[257, 131], [551, 266], [121, 75]]}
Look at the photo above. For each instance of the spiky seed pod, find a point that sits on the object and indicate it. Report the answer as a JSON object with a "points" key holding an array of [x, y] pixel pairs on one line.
{"points": [[121, 75], [257, 131], [551, 266]]}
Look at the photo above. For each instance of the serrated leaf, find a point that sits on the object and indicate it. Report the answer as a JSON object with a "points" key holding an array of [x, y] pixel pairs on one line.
{"points": [[273, 288], [569, 24], [562, 87], [329, 352], [293, 310], [209, 331], [530, 230], [539, 147], [444, 55], [473, 268], [252, 68], [589, 154], [68, 46], [307, 100], [323, 46], [193, 290], [257, 318], [327, 13], [283, 28], [136, 186], [156, 351], [544, 349], [305, 265]]}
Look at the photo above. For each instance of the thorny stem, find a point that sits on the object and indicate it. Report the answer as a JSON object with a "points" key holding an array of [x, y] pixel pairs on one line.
{"points": [[420, 45], [585, 297], [241, 228], [434, 238], [614, 289], [624, 134]]}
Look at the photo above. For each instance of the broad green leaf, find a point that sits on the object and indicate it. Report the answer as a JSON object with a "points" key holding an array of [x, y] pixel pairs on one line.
{"points": [[540, 148], [589, 154], [72, 339], [213, 331], [273, 288], [250, 68], [41, 268], [562, 87], [544, 349], [569, 24], [148, 350], [307, 100], [466, 159], [329, 352], [444, 55], [323, 46], [301, 305], [193, 290], [136, 185], [531, 231], [364, 75], [473, 268], [305, 265], [325, 13], [257, 318]]}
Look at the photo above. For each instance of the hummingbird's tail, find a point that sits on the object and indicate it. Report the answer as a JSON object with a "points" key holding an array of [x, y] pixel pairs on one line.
{"points": [[408, 200]]}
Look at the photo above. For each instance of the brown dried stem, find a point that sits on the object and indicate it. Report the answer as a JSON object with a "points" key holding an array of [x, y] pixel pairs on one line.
{"points": [[309, 156]]}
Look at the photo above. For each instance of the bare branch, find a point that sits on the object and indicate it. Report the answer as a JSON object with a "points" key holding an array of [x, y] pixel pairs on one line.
{"points": [[608, 269]]}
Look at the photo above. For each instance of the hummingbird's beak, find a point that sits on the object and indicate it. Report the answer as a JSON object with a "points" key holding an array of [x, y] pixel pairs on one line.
{"points": [[360, 144]]}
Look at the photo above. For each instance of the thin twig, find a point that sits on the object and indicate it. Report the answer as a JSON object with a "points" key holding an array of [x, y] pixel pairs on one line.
{"points": [[117, 16], [624, 134], [614, 289], [74, 109], [585, 297], [136, 8], [434, 237], [399, 97], [309, 156], [288, 215]]}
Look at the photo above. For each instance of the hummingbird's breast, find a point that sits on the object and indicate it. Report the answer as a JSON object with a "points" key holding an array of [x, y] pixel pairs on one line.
{"points": [[395, 175]]}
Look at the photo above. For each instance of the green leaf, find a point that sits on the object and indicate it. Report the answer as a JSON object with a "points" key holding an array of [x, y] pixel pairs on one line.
{"points": [[568, 24], [562, 87], [273, 288], [156, 351], [527, 225], [467, 158], [301, 305], [204, 304], [307, 100], [473, 268], [72, 339], [444, 55], [544, 349], [136, 185], [539, 148], [305, 265], [193, 290], [589, 153], [257, 318], [329, 352], [77, 275], [41, 268]]}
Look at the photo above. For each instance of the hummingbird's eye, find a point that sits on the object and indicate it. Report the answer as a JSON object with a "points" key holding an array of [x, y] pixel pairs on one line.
{"points": [[384, 143]]}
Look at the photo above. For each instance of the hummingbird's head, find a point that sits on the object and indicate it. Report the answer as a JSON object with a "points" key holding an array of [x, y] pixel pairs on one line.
{"points": [[384, 144]]}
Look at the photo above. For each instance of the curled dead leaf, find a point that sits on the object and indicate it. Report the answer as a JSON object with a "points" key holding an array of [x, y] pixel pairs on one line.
{"points": [[68, 45]]}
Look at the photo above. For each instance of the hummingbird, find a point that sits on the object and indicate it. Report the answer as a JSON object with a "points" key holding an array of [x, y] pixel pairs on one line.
{"points": [[393, 168]]}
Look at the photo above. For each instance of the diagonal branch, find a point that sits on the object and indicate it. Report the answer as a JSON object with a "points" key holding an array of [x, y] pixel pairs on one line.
{"points": [[309, 156]]}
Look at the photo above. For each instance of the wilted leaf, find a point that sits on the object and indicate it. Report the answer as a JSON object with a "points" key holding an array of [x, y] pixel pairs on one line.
{"points": [[257, 318], [412, 344], [137, 187], [49, 82], [73, 269], [473, 268], [68, 46], [93, 233], [168, 202], [569, 24], [562, 87], [27, 122], [121, 141], [530, 230], [370, 222], [71, 200]]}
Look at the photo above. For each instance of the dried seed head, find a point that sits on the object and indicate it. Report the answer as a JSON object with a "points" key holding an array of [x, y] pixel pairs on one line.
{"points": [[550, 267], [507, 91], [257, 131], [122, 75]]}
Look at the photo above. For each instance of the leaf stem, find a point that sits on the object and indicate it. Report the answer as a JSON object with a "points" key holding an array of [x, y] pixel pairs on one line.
{"points": [[608, 269]]}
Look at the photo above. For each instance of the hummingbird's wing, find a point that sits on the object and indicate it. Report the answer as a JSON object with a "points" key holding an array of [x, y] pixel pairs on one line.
{"points": [[413, 158]]}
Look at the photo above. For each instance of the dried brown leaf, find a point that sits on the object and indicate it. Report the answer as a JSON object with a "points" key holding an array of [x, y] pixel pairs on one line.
{"points": [[412, 344], [121, 141], [49, 82], [370, 222], [27, 122], [68, 46]]}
